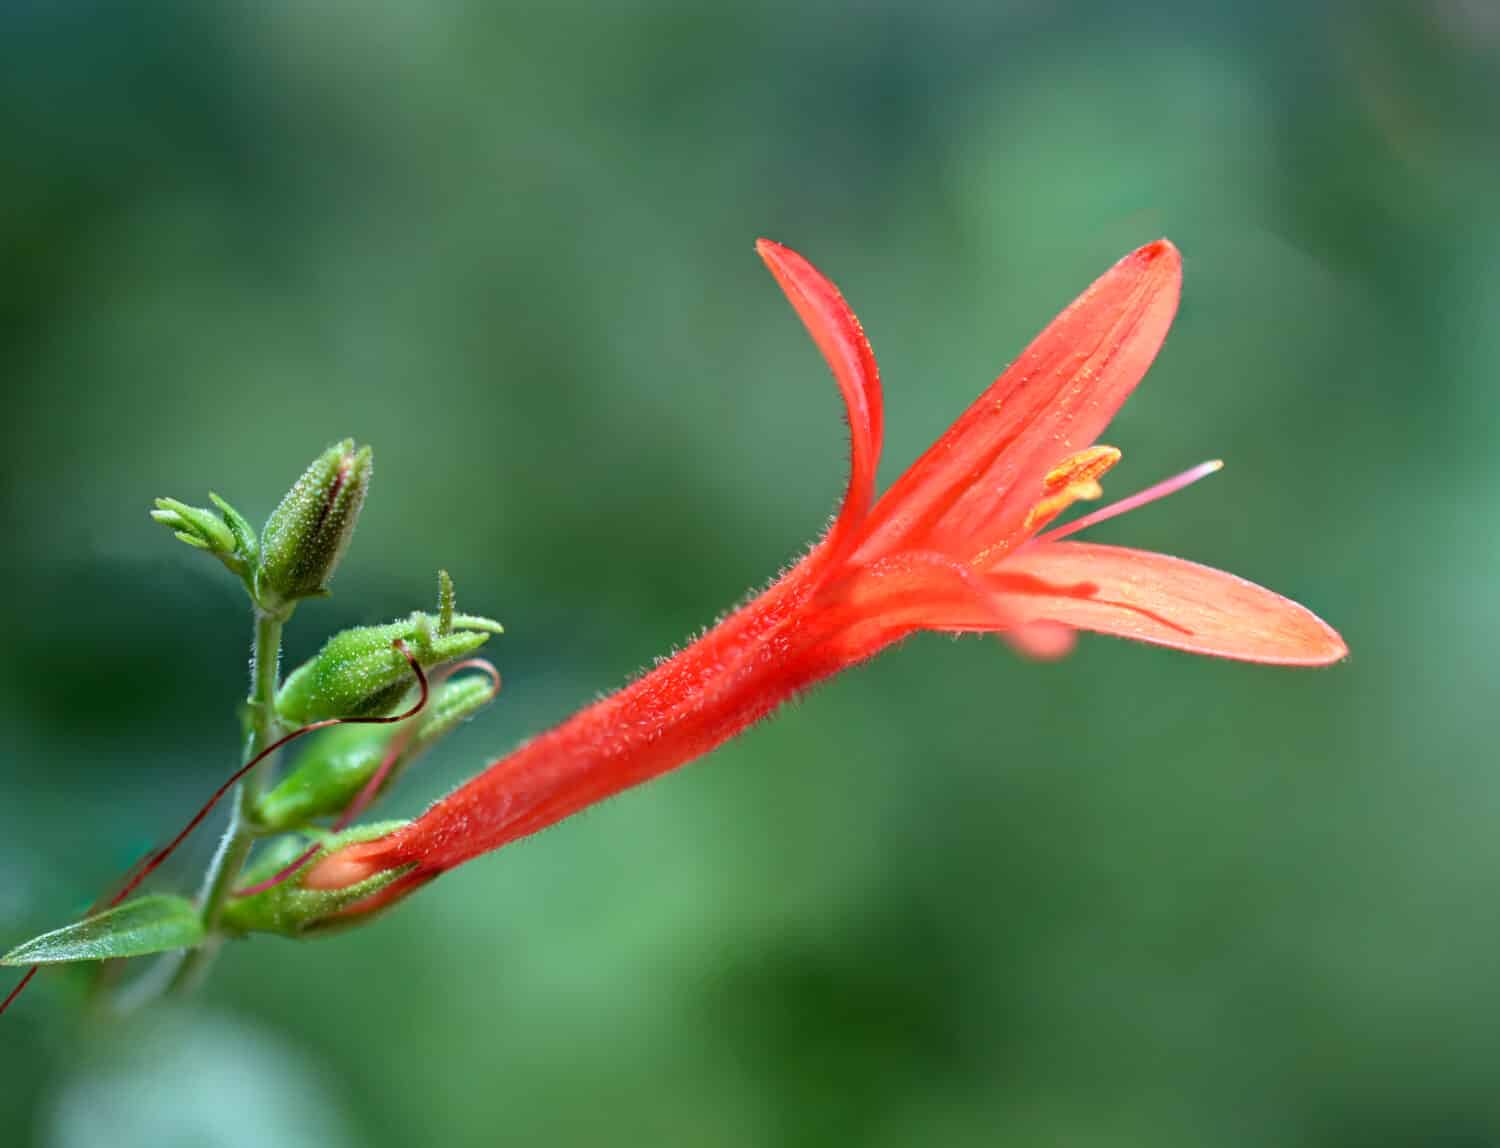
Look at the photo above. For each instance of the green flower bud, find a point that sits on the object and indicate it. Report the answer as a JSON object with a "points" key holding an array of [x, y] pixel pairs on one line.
{"points": [[336, 767], [229, 539], [289, 909], [359, 672], [309, 531]]}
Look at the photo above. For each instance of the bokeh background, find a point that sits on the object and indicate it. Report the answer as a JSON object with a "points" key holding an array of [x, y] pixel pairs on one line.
{"points": [[1135, 898]]}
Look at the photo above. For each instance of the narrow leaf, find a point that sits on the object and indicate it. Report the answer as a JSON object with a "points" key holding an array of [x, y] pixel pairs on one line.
{"points": [[146, 925]]}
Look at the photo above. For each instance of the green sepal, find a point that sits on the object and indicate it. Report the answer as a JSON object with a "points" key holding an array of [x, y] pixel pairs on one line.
{"points": [[287, 908], [475, 622], [245, 542], [360, 673], [229, 539], [308, 532], [447, 602], [146, 925], [338, 763]]}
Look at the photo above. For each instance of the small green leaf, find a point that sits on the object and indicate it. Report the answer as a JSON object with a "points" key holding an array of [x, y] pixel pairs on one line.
{"points": [[146, 925], [244, 534], [475, 622]]}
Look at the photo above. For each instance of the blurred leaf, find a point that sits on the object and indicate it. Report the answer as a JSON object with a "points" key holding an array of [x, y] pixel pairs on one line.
{"points": [[146, 925]]}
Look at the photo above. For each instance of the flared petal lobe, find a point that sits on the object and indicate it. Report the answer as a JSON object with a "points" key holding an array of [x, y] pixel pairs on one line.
{"points": [[971, 491], [836, 331], [1163, 600]]}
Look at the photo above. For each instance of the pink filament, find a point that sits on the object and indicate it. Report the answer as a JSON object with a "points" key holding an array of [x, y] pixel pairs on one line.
{"points": [[1150, 494]]}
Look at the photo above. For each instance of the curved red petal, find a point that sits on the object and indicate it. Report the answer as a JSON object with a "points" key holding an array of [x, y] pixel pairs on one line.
{"points": [[1164, 600], [839, 336], [972, 489]]}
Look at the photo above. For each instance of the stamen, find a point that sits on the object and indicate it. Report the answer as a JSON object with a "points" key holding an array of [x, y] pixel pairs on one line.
{"points": [[1150, 494], [1054, 504], [1086, 466], [1075, 478]]}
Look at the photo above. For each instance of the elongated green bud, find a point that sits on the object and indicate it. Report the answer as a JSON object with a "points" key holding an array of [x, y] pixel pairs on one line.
{"points": [[359, 672], [336, 767], [307, 534], [286, 907]]}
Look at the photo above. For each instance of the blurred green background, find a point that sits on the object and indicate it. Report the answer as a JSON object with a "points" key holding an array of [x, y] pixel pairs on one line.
{"points": [[1135, 898]]}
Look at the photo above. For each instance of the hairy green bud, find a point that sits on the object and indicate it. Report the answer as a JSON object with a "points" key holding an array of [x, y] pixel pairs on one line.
{"points": [[360, 673], [307, 534]]}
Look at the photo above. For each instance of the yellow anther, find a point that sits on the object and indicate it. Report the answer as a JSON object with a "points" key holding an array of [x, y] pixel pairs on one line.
{"points": [[1085, 466], [1054, 504], [1074, 479]]}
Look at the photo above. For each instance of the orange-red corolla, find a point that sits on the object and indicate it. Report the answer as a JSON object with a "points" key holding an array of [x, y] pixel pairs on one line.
{"points": [[957, 544]]}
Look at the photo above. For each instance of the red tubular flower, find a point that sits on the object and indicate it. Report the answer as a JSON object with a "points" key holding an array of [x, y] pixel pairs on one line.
{"points": [[954, 545]]}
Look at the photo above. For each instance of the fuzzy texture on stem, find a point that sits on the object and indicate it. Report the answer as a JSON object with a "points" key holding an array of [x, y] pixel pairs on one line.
{"points": [[954, 545]]}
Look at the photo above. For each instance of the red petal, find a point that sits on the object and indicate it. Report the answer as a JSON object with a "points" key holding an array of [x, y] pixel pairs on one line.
{"points": [[841, 339], [1164, 600], [875, 605], [973, 487]]}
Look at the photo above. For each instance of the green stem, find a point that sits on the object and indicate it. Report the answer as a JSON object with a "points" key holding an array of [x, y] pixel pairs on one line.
{"points": [[234, 847]]}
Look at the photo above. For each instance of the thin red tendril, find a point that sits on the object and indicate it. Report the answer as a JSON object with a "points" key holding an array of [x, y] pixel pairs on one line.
{"points": [[106, 900], [372, 787], [144, 868], [15, 992], [280, 875], [171, 847]]}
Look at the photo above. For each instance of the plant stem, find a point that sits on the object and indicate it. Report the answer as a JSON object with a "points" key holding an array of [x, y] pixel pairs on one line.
{"points": [[234, 847]]}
